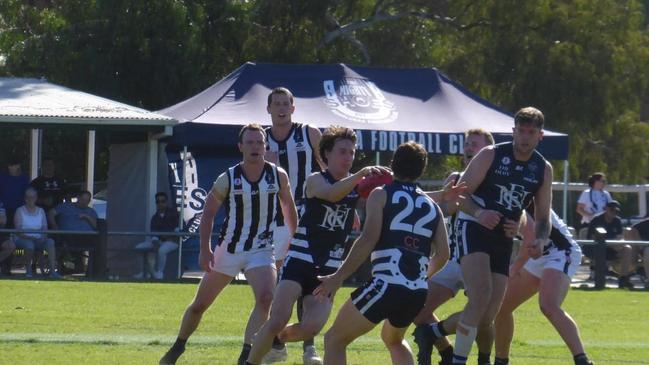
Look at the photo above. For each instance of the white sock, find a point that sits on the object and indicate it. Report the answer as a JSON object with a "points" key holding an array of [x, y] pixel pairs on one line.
{"points": [[464, 337]]}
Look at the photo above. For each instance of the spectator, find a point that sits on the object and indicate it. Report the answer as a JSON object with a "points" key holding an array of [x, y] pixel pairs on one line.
{"points": [[165, 219], [640, 232], [620, 255], [31, 216], [78, 217], [6, 246], [51, 189], [12, 188], [593, 201]]}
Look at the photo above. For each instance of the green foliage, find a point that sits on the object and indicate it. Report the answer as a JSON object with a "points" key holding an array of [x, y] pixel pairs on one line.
{"points": [[584, 63]]}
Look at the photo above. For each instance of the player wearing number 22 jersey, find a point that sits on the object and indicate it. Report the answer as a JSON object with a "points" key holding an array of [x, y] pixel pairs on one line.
{"points": [[403, 227]]}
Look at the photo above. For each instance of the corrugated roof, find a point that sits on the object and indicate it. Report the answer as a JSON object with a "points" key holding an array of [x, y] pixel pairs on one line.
{"points": [[26, 100]]}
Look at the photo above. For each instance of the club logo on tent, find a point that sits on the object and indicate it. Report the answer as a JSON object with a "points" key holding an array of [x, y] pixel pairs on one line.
{"points": [[359, 100]]}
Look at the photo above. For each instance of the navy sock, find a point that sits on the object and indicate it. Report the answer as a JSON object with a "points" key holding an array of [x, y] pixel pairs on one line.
{"points": [[581, 359], [277, 344], [447, 354], [180, 343], [483, 359]]}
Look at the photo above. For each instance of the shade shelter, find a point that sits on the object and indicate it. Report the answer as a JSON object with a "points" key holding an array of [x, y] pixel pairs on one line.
{"points": [[38, 105]]}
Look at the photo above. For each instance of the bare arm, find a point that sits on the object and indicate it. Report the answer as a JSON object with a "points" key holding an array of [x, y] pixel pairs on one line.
{"points": [[439, 246], [527, 231], [581, 209], [43, 220], [362, 247], [543, 204], [315, 136], [18, 223], [473, 176], [449, 197], [287, 203], [213, 202], [51, 216], [317, 186], [448, 209], [90, 219]]}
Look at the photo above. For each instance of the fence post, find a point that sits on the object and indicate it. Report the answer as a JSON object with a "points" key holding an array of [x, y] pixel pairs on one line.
{"points": [[600, 258], [100, 257]]}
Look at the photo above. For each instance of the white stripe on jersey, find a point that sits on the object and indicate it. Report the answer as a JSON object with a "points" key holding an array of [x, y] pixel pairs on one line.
{"points": [[296, 143], [249, 211]]}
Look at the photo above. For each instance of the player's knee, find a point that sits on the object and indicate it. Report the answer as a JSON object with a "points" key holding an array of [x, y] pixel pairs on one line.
{"points": [[198, 307], [311, 329], [480, 297], [265, 299], [331, 340], [389, 340], [549, 309], [277, 323]]}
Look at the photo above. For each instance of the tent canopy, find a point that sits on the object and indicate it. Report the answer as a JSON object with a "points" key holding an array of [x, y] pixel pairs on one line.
{"points": [[387, 106]]}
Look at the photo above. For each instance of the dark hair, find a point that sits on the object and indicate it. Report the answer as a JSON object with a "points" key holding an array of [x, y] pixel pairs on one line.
{"points": [[331, 135], [82, 192], [409, 161], [489, 138], [280, 90], [595, 178], [529, 115], [252, 127], [161, 194]]}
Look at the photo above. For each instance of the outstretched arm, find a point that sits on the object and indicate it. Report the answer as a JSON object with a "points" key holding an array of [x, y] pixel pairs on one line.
{"points": [[317, 186]]}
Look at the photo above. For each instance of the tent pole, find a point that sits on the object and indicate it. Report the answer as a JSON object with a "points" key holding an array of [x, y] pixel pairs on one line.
{"points": [[181, 218], [36, 143], [90, 163], [152, 183], [564, 213]]}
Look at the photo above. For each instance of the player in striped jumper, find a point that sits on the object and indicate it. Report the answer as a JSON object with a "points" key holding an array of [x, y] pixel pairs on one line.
{"points": [[251, 192], [294, 147]]}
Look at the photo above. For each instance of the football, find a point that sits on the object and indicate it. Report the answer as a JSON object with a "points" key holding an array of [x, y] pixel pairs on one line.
{"points": [[370, 182]]}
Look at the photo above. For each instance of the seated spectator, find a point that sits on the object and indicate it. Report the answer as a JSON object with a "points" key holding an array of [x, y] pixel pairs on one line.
{"points": [[593, 200], [165, 219], [51, 188], [78, 217], [31, 216], [619, 255], [13, 184], [6, 246], [640, 232]]}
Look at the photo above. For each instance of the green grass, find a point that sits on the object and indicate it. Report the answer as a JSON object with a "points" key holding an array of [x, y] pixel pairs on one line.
{"points": [[66, 322]]}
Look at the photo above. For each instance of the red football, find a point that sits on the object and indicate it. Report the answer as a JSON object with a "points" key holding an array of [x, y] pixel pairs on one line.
{"points": [[370, 182]]}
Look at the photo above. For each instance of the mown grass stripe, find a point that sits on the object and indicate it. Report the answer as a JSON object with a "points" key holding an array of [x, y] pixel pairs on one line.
{"points": [[136, 338]]}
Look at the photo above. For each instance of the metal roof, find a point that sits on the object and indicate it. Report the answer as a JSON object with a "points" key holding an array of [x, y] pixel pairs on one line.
{"points": [[36, 101]]}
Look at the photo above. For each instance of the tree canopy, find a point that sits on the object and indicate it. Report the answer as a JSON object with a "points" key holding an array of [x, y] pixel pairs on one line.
{"points": [[584, 63]]}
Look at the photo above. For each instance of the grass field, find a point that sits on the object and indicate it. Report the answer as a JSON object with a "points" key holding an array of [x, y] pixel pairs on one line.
{"points": [[69, 322]]}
